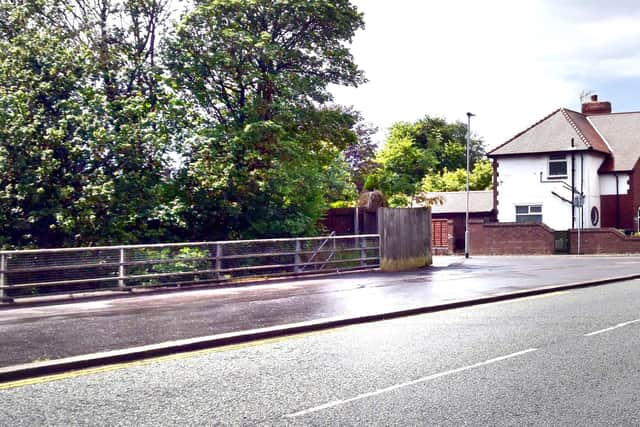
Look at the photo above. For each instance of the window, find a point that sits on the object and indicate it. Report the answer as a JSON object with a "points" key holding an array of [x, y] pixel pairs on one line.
{"points": [[558, 166], [529, 213]]}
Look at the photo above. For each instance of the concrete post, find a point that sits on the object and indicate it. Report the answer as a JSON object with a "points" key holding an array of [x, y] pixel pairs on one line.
{"points": [[3, 276], [122, 272], [219, 254], [297, 261]]}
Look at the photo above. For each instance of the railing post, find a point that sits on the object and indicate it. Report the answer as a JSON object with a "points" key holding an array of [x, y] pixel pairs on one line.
{"points": [[3, 277], [122, 270], [218, 260], [334, 247], [297, 260], [363, 252]]}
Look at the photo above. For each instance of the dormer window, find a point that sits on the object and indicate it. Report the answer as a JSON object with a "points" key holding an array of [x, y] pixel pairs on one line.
{"points": [[557, 166]]}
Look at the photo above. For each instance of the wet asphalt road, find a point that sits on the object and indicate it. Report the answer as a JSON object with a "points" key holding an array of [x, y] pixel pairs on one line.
{"points": [[50, 332], [566, 359]]}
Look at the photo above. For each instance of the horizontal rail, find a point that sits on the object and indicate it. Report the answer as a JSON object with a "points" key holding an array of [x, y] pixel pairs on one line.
{"points": [[180, 245], [123, 267], [182, 273], [175, 260]]}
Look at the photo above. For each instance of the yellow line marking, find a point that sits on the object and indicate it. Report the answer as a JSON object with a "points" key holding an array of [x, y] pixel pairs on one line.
{"points": [[186, 355], [144, 362]]}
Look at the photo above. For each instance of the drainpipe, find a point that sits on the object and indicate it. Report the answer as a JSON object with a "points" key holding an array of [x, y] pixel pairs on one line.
{"points": [[582, 189], [573, 186], [617, 201]]}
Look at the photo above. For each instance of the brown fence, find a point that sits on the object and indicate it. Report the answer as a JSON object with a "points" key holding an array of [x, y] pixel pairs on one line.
{"points": [[343, 221], [405, 238]]}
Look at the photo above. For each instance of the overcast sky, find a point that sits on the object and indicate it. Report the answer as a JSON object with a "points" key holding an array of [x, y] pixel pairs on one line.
{"points": [[509, 62]]}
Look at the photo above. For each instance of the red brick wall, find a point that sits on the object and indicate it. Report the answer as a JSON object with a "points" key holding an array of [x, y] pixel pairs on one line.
{"points": [[603, 241], [510, 239], [458, 221]]}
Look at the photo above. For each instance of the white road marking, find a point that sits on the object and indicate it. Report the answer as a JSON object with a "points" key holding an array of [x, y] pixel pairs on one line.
{"points": [[406, 384], [619, 325]]}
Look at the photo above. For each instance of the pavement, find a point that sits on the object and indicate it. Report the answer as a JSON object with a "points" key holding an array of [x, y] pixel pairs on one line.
{"points": [[567, 358], [40, 339]]}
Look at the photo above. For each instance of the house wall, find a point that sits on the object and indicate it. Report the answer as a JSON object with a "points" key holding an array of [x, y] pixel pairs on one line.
{"points": [[608, 184], [519, 183], [634, 179], [617, 210], [590, 188]]}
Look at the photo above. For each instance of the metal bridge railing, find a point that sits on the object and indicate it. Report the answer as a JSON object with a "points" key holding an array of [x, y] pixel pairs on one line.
{"points": [[48, 271]]}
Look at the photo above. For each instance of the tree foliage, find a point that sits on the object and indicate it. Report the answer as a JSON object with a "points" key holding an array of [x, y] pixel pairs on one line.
{"points": [[360, 156], [264, 140], [480, 178], [83, 136], [428, 147]]}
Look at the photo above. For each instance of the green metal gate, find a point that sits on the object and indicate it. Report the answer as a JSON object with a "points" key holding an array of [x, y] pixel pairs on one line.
{"points": [[561, 242]]}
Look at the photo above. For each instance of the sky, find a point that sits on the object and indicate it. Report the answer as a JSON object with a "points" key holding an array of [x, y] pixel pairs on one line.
{"points": [[509, 62]]}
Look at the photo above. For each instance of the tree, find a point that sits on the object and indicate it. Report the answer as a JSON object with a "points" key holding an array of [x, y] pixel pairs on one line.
{"points": [[263, 139], [360, 156], [480, 178], [430, 146], [82, 142]]}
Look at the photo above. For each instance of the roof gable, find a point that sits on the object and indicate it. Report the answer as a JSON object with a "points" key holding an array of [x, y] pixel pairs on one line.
{"points": [[554, 133]]}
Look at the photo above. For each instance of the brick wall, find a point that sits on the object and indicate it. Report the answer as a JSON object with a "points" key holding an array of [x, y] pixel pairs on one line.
{"points": [[509, 239], [458, 225], [603, 241]]}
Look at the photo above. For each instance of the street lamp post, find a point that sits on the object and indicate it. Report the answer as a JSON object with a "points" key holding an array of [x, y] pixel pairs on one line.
{"points": [[466, 221]]}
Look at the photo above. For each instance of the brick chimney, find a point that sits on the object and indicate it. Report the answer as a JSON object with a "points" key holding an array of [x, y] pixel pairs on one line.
{"points": [[594, 107]]}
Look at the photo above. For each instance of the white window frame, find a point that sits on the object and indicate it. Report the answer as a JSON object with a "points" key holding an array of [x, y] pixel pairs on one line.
{"points": [[557, 158], [533, 210]]}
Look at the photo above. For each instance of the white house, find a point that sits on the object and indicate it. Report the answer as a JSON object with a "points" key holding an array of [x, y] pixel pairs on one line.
{"points": [[572, 170]]}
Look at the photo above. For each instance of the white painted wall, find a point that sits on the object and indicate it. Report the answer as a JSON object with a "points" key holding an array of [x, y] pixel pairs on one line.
{"points": [[608, 184], [519, 184]]}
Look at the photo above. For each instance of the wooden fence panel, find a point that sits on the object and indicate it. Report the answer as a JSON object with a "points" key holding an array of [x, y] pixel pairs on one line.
{"points": [[405, 238]]}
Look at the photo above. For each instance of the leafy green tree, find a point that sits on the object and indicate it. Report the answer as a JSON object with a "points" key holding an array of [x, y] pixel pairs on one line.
{"points": [[360, 156], [263, 141], [428, 147], [40, 166], [402, 161], [81, 163], [480, 178]]}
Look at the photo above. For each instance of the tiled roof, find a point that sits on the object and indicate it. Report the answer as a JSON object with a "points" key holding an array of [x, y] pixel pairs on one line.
{"points": [[589, 134], [456, 201], [554, 133], [622, 133]]}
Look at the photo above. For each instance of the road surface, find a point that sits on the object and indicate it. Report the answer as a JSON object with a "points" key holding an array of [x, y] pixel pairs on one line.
{"points": [[566, 358], [51, 332]]}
